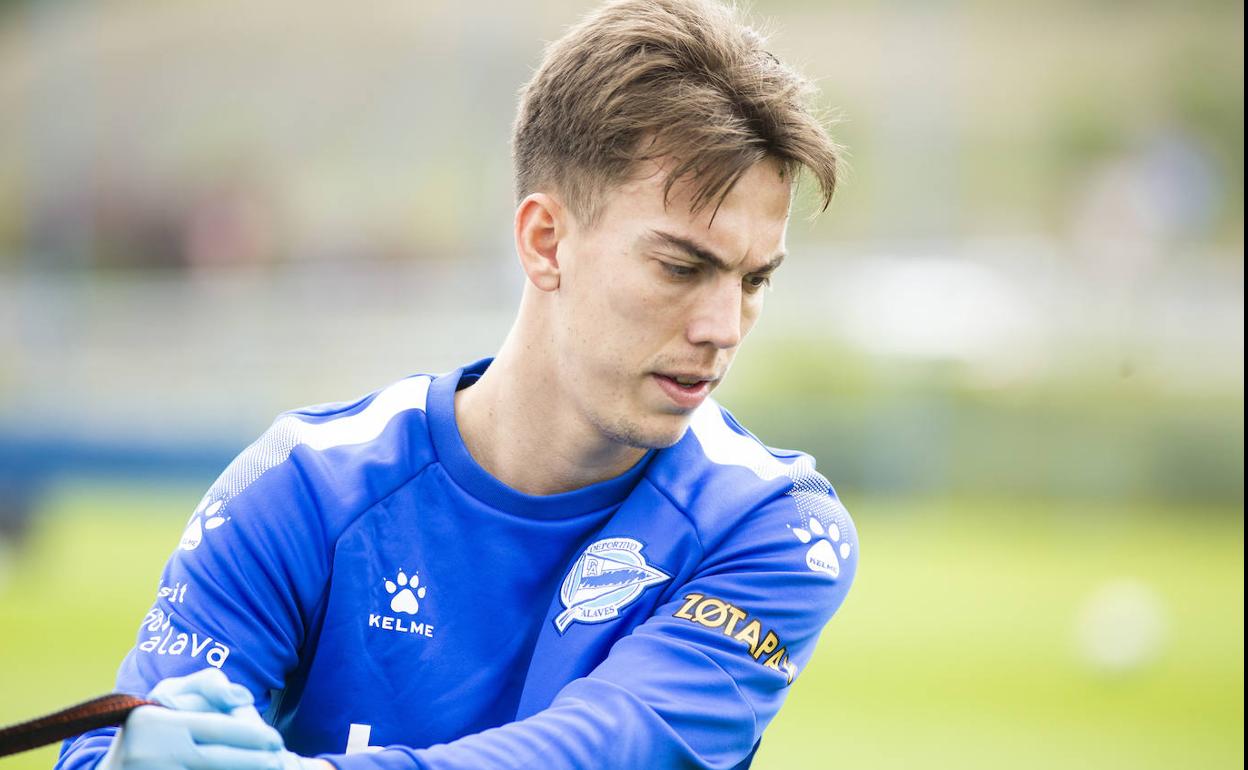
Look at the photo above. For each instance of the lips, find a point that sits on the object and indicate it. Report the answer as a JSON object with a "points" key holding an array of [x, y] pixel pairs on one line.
{"points": [[685, 390]]}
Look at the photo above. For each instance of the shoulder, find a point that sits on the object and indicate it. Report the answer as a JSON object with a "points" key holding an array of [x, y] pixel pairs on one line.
{"points": [[727, 481], [329, 459]]}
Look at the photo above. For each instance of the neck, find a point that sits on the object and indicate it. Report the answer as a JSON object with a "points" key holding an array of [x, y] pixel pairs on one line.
{"points": [[518, 427]]}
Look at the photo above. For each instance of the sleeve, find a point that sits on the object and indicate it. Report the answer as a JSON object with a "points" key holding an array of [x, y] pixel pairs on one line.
{"points": [[698, 682], [236, 594]]}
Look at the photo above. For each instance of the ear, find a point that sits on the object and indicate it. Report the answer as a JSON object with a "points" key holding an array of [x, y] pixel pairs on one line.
{"points": [[541, 222]]}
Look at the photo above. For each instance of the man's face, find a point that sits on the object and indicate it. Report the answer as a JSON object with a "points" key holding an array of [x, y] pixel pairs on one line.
{"points": [[654, 301]]}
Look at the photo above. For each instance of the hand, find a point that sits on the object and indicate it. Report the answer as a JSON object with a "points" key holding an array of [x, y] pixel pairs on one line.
{"points": [[208, 690], [157, 738], [210, 724], [292, 761]]}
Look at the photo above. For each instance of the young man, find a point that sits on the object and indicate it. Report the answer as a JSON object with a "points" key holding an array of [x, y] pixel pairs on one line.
{"points": [[566, 557]]}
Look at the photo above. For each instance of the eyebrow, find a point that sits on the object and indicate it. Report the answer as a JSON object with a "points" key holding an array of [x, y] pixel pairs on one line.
{"points": [[706, 255]]}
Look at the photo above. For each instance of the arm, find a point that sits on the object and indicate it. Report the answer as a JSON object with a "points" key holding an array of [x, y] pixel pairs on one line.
{"points": [[234, 595], [697, 683], [203, 721], [207, 721]]}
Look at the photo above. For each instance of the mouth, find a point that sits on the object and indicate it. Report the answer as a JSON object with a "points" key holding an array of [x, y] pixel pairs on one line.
{"points": [[686, 390]]}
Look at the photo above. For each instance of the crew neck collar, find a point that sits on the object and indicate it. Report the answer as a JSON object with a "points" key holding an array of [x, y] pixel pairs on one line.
{"points": [[464, 470]]}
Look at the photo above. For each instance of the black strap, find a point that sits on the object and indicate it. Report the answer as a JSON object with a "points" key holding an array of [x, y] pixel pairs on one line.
{"points": [[104, 711]]}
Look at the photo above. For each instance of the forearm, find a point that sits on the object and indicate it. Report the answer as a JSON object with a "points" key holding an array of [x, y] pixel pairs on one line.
{"points": [[85, 751], [595, 725]]}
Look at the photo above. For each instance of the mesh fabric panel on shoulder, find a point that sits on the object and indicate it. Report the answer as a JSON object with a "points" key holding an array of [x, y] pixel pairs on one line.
{"points": [[287, 432], [811, 492]]}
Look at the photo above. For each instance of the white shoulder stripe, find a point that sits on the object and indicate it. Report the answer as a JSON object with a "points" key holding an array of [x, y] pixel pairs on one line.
{"points": [[724, 446], [274, 447], [361, 428]]}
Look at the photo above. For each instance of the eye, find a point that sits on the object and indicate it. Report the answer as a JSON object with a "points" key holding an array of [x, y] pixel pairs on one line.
{"points": [[678, 271], [756, 282]]}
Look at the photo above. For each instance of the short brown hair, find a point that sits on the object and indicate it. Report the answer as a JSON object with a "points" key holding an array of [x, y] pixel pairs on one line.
{"points": [[647, 79]]}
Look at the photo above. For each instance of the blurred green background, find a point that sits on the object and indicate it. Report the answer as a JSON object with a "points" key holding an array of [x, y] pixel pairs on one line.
{"points": [[1014, 342]]}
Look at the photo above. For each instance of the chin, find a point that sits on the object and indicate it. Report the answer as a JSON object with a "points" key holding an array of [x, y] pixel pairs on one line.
{"points": [[655, 433]]}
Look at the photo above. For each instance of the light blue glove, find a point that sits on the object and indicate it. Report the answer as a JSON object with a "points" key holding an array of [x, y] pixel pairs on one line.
{"points": [[210, 724], [211, 691], [208, 691], [292, 761]]}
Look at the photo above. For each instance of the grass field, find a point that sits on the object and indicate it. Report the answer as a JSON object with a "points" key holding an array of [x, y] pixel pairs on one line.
{"points": [[956, 649]]}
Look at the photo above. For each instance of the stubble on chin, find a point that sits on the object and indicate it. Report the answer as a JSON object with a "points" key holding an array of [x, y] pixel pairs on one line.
{"points": [[632, 433], [630, 419]]}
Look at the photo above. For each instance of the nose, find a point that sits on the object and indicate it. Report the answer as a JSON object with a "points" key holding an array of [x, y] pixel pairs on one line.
{"points": [[716, 319]]}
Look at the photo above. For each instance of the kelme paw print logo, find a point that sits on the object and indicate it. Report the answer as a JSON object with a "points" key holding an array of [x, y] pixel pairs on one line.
{"points": [[821, 556], [408, 593], [206, 516]]}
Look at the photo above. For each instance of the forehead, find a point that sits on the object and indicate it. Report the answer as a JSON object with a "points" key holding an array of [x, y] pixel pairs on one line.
{"points": [[749, 222]]}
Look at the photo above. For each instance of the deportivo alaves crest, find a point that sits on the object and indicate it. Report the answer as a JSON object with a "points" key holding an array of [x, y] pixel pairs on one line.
{"points": [[608, 576]]}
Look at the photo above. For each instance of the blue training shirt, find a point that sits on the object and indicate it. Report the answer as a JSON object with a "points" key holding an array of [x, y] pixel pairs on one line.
{"points": [[374, 587]]}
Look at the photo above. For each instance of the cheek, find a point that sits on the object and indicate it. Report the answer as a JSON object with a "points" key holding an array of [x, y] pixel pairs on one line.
{"points": [[635, 303], [751, 309], [605, 326]]}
